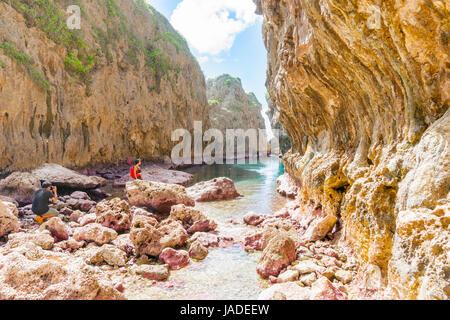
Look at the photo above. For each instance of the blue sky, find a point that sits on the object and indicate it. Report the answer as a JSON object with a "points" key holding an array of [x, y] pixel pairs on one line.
{"points": [[224, 35]]}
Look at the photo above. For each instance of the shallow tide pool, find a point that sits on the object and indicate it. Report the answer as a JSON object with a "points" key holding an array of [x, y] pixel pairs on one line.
{"points": [[226, 273]]}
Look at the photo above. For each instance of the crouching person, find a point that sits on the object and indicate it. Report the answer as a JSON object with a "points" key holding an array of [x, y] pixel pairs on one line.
{"points": [[40, 202]]}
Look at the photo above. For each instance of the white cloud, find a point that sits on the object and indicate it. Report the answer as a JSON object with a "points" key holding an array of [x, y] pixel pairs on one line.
{"points": [[211, 26], [203, 59]]}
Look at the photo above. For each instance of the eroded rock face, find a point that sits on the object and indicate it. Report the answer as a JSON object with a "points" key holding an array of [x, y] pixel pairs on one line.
{"points": [[114, 214], [95, 232], [57, 228], [107, 253], [152, 272], [176, 259], [368, 126], [277, 254], [8, 218], [157, 195], [193, 220], [116, 112], [20, 186], [30, 273], [42, 239], [150, 237], [213, 190], [287, 187], [198, 251]]}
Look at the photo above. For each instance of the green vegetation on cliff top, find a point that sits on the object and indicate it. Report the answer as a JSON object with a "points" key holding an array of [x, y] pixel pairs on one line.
{"points": [[81, 58], [21, 58]]}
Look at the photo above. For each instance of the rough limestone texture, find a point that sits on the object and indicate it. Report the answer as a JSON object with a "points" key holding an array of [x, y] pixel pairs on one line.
{"points": [[362, 89], [117, 88], [217, 189], [114, 214], [150, 237], [30, 273], [8, 218], [20, 186], [157, 195], [63, 177], [274, 116], [95, 232]]}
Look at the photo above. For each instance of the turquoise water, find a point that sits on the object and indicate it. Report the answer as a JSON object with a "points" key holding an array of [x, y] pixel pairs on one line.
{"points": [[226, 273]]}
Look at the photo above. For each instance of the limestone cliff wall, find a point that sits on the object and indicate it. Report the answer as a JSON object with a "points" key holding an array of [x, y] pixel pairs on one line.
{"points": [[363, 90], [115, 88], [274, 116]]}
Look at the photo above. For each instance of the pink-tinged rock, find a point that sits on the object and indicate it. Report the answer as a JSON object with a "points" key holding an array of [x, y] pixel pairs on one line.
{"points": [[124, 243], [20, 186], [198, 251], [213, 190], [157, 174], [114, 214], [80, 195], [287, 290], [58, 229], [253, 241], [152, 272], [279, 253], [287, 187], [64, 177], [66, 211], [176, 259], [29, 273], [319, 228], [76, 216], [323, 289], [254, 219], [120, 287], [8, 218], [136, 211], [192, 219], [87, 219], [71, 244], [107, 253], [145, 236], [172, 233], [206, 239], [156, 195], [95, 232], [81, 204]]}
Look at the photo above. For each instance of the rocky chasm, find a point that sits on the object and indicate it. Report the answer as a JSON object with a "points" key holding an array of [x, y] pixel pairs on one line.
{"points": [[363, 88], [115, 88]]}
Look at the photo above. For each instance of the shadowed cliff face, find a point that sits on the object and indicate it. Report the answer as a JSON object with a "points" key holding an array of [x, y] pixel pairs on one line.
{"points": [[113, 89], [362, 88]]}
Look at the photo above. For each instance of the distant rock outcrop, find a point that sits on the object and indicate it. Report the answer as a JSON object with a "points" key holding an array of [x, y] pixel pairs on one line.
{"points": [[231, 107]]}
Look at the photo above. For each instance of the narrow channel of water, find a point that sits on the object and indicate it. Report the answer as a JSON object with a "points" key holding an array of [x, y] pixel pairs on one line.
{"points": [[226, 273]]}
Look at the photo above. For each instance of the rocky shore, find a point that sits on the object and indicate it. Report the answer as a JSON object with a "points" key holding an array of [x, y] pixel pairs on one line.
{"points": [[152, 229]]}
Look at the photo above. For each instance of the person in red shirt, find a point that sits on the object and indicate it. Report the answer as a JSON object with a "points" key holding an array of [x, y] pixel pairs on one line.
{"points": [[135, 171]]}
